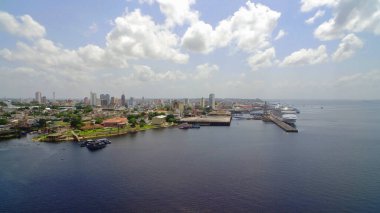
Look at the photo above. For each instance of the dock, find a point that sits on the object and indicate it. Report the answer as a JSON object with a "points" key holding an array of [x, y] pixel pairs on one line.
{"points": [[208, 120], [286, 127]]}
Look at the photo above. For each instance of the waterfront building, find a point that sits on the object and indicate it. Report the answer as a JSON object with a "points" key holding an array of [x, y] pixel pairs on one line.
{"points": [[123, 102], [159, 120], [38, 97], [93, 99], [211, 101]]}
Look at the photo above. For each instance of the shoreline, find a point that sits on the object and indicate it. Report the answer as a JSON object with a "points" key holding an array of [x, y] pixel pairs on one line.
{"points": [[66, 138]]}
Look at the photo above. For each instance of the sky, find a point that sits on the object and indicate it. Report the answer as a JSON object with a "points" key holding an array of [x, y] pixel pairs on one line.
{"points": [[301, 49]]}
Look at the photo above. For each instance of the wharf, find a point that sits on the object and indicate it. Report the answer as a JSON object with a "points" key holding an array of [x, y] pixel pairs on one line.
{"points": [[208, 120], [286, 127]]}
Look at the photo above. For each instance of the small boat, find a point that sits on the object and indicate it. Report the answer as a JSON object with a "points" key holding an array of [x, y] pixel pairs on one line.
{"points": [[85, 143], [96, 145], [104, 140], [184, 126]]}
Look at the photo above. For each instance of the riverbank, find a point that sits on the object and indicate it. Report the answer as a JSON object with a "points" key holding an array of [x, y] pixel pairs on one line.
{"points": [[95, 133]]}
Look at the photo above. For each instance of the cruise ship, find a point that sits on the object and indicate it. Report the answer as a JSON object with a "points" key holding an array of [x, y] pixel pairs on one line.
{"points": [[285, 114]]}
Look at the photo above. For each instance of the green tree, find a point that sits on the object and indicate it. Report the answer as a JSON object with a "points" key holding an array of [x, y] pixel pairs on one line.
{"points": [[87, 109], [132, 121], [42, 123], [170, 118], [76, 121], [142, 123], [98, 120], [3, 121]]}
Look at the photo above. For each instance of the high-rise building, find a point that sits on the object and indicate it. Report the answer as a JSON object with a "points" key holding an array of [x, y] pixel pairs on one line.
{"points": [[93, 99], [211, 101], [131, 102], [86, 101], [105, 99], [44, 100], [38, 97], [123, 103], [202, 103], [187, 103]]}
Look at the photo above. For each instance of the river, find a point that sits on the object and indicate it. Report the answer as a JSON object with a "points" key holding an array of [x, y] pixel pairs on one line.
{"points": [[331, 165]]}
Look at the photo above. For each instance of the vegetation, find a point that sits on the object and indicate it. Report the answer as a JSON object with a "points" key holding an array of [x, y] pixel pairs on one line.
{"points": [[3, 104], [3, 121], [76, 121], [170, 118]]}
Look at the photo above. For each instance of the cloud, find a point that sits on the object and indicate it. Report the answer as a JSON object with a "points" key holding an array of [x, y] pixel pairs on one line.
{"points": [[249, 29], [308, 5], [178, 12], [145, 73], [318, 14], [137, 36], [368, 80], [262, 59], [205, 71], [280, 34], [23, 26], [350, 16], [347, 47], [306, 57]]}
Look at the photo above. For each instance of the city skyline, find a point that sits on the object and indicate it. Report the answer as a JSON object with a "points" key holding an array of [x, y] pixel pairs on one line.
{"points": [[175, 49]]}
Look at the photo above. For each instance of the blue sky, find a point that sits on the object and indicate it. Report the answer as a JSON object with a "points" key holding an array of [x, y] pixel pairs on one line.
{"points": [[189, 48]]}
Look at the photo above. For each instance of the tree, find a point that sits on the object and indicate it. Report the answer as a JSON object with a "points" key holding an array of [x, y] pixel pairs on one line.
{"points": [[42, 123], [3, 121], [76, 121], [170, 118], [132, 121], [142, 123], [87, 109], [98, 120]]}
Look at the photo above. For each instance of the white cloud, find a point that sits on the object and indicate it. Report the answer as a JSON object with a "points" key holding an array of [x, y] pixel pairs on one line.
{"points": [[145, 73], [23, 26], [306, 57], [366, 79], [318, 14], [137, 36], [350, 16], [205, 71], [249, 28], [308, 5], [262, 59], [280, 34], [178, 12], [347, 47]]}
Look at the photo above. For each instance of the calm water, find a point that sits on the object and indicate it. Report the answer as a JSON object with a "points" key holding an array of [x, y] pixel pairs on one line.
{"points": [[331, 165]]}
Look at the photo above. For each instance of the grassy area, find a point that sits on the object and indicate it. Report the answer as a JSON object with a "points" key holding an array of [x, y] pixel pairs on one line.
{"points": [[100, 132]]}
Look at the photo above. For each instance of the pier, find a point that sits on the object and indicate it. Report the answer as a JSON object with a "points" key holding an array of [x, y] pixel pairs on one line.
{"points": [[286, 127], [208, 120]]}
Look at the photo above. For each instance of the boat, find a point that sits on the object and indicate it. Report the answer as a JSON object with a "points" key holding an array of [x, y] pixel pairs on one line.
{"points": [[285, 114], [243, 117], [104, 140], [96, 145], [184, 126], [85, 143]]}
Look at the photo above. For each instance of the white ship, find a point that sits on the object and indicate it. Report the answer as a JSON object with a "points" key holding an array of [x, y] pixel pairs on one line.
{"points": [[285, 114]]}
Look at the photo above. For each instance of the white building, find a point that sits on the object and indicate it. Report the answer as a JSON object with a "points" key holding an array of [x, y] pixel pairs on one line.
{"points": [[211, 101], [93, 99], [202, 104], [38, 97]]}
